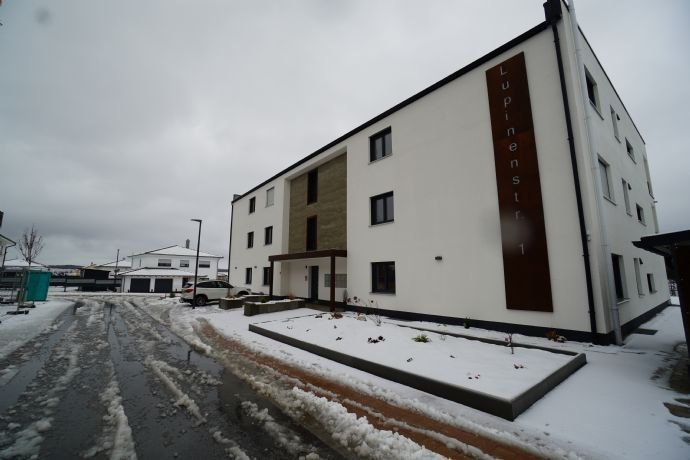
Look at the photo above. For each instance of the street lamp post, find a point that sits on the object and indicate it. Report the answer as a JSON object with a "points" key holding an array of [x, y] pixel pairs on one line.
{"points": [[196, 264]]}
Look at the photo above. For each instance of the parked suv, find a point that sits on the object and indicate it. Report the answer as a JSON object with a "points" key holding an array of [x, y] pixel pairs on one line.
{"points": [[211, 290]]}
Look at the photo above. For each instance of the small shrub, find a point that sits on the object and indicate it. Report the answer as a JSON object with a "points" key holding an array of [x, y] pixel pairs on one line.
{"points": [[466, 323], [423, 338], [553, 335], [291, 296], [509, 343]]}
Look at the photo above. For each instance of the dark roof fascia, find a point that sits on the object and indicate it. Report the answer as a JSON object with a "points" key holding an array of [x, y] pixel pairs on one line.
{"points": [[454, 76], [5, 238], [309, 255], [664, 243], [620, 99], [180, 255]]}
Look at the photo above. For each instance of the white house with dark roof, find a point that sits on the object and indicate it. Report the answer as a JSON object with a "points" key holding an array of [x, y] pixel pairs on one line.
{"points": [[166, 269]]}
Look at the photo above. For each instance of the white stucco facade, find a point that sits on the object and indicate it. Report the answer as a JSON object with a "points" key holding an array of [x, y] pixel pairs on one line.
{"points": [[445, 238]]}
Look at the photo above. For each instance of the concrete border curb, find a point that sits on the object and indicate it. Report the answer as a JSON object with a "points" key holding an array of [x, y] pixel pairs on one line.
{"points": [[500, 407]]}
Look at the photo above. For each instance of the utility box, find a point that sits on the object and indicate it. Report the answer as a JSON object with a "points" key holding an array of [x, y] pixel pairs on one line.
{"points": [[36, 285]]}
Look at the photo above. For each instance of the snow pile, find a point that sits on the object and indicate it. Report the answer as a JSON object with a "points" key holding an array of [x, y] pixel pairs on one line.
{"points": [[232, 450], [117, 436], [16, 330], [357, 434], [27, 442], [282, 435], [183, 400]]}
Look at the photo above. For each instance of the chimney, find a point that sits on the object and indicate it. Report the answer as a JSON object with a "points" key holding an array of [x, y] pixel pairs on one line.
{"points": [[186, 243]]}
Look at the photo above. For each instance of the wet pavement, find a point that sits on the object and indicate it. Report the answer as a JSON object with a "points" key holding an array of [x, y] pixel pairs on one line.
{"points": [[108, 380]]}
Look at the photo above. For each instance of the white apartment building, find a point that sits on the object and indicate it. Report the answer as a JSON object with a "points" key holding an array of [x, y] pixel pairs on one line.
{"points": [[509, 193]]}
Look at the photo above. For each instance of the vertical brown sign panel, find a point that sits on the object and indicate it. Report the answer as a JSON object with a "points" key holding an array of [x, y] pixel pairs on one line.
{"points": [[525, 256]]}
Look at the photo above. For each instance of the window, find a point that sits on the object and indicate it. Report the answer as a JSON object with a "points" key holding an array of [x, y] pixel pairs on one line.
{"points": [[615, 119], [267, 276], [340, 280], [252, 205], [380, 145], [164, 262], [311, 233], [383, 277], [204, 264], [638, 277], [649, 180], [268, 235], [630, 150], [650, 282], [312, 186], [619, 277], [248, 275], [382, 208], [270, 196], [184, 263], [640, 214], [605, 179], [626, 196], [592, 92], [250, 240]]}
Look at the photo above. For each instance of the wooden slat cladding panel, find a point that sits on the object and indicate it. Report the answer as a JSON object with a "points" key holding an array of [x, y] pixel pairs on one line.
{"points": [[523, 233]]}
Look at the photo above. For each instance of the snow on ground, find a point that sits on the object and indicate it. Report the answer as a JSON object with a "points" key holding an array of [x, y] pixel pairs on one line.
{"points": [[479, 366], [16, 330]]}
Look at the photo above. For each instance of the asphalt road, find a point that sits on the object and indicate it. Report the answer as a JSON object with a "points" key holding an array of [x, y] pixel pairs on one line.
{"points": [[110, 382]]}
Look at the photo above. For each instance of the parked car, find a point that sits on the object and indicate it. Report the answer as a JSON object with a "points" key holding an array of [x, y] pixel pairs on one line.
{"points": [[211, 290]]}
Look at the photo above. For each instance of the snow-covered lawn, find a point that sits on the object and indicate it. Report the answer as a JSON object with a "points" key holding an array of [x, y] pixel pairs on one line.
{"points": [[611, 408], [482, 367], [16, 330]]}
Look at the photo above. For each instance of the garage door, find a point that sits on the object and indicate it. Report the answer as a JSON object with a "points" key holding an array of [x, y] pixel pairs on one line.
{"points": [[163, 285], [140, 285]]}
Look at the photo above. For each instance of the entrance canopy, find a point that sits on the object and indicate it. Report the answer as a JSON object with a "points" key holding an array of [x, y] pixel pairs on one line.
{"points": [[330, 253], [675, 247]]}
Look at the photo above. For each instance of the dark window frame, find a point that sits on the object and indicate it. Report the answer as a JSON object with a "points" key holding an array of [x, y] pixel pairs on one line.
{"points": [[204, 264], [312, 233], [385, 148], [184, 263], [250, 240], [268, 235], [313, 186], [388, 208], [252, 205], [165, 264], [619, 277], [592, 90], [266, 276], [248, 275], [383, 277]]}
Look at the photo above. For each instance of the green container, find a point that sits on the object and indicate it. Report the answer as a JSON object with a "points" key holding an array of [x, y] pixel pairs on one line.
{"points": [[36, 285]]}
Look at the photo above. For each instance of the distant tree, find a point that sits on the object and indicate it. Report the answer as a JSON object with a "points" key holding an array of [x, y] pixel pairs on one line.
{"points": [[31, 244]]}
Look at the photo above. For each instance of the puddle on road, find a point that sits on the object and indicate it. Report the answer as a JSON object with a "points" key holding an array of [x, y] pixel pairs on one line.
{"points": [[160, 428]]}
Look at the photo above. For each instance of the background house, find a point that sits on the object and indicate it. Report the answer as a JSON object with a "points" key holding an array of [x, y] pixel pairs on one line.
{"points": [[167, 269]]}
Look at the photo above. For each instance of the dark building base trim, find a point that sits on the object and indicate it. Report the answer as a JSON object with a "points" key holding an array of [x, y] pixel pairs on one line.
{"points": [[510, 328]]}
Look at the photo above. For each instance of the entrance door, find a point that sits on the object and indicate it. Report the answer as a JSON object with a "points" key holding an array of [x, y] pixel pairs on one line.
{"points": [[163, 285], [314, 282], [140, 285]]}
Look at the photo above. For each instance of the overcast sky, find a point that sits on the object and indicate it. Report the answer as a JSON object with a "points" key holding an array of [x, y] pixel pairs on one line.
{"points": [[120, 121]]}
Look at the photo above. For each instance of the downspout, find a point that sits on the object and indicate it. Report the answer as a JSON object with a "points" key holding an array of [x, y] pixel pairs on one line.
{"points": [[232, 209], [615, 314], [553, 19]]}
